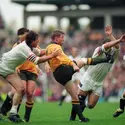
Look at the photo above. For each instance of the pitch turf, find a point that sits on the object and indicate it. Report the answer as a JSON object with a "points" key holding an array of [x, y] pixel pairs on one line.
{"points": [[52, 114]]}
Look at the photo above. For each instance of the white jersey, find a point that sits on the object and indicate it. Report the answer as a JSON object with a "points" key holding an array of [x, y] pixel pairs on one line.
{"points": [[98, 72], [15, 57], [92, 79]]}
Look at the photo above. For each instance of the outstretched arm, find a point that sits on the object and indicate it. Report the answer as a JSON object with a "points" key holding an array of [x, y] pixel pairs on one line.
{"points": [[114, 42], [48, 57], [108, 32]]}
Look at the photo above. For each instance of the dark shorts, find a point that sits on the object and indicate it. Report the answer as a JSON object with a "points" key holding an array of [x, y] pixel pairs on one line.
{"points": [[25, 75], [63, 74]]}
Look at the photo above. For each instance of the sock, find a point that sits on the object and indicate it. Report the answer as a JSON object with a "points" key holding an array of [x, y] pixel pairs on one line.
{"points": [[10, 94], [122, 103], [28, 109], [82, 101], [14, 109], [6, 106], [19, 105], [94, 61], [61, 99], [77, 109], [82, 105]]}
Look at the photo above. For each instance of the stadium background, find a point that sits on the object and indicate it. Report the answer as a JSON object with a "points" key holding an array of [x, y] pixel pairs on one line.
{"points": [[84, 22]]}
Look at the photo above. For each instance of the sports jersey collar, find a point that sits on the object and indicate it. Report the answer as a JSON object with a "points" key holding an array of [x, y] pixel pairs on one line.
{"points": [[52, 42]]}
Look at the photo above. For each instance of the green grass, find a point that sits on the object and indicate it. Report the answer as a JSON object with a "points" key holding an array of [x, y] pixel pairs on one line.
{"points": [[52, 114]]}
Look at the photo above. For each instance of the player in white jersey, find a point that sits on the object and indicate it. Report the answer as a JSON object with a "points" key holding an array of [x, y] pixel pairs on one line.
{"points": [[76, 77], [14, 58], [92, 80]]}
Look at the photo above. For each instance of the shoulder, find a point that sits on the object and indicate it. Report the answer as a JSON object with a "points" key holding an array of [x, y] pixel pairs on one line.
{"points": [[53, 46], [98, 51]]}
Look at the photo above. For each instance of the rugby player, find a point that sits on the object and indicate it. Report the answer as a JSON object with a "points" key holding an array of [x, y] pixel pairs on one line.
{"points": [[15, 57], [63, 68], [92, 80]]}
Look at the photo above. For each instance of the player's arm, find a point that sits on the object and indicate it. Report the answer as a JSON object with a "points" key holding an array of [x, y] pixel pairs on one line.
{"points": [[113, 43], [39, 52], [93, 61], [30, 56], [45, 58], [109, 33], [42, 52]]}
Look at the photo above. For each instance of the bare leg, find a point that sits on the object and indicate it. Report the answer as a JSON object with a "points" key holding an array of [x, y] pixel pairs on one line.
{"points": [[16, 82], [30, 87], [92, 100]]}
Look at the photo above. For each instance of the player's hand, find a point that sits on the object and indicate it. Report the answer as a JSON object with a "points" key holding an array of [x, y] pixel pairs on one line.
{"points": [[76, 68], [122, 38], [56, 53], [17, 70], [108, 30]]}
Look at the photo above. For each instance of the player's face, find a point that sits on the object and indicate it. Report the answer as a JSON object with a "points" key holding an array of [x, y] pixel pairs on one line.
{"points": [[24, 36], [35, 43], [74, 52], [60, 39]]}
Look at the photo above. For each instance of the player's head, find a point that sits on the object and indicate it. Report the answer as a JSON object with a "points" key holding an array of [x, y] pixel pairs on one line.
{"points": [[106, 40], [22, 32], [74, 51], [32, 39], [58, 36]]}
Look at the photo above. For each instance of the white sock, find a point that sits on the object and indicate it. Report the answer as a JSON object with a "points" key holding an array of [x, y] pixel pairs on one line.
{"points": [[86, 104], [14, 109], [10, 95]]}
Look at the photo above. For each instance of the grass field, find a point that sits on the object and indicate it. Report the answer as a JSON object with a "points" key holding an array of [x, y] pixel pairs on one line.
{"points": [[52, 114]]}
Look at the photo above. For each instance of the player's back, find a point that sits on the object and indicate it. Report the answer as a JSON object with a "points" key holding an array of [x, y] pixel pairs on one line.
{"points": [[16, 55]]}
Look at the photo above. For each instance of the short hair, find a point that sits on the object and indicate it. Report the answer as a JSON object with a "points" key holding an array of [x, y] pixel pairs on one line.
{"points": [[31, 36], [106, 40], [21, 31], [57, 33]]}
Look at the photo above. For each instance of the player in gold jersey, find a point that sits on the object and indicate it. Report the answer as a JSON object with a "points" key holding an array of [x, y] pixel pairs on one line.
{"points": [[63, 68]]}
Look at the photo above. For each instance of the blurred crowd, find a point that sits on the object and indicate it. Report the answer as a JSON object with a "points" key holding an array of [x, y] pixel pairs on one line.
{"points": [[85, 41]]}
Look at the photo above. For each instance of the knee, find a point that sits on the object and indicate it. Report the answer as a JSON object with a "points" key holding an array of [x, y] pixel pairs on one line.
{"points": [[29, 94], [20, 89], [90, 106]]}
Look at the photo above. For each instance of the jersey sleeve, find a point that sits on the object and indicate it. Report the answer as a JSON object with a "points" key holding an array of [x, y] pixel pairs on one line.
{"points": [[106, 50], [29, 55], [36, 51], [97, 52]]}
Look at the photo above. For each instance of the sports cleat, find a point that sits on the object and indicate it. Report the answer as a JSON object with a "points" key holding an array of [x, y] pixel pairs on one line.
{"points": [[2, 118], [84, 120], [15, 118], [118, 112], [26, 120]]}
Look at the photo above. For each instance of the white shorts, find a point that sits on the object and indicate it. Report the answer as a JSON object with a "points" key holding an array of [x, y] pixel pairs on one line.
{"points": [[88, 84], [78, 75], [4, 70]]}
